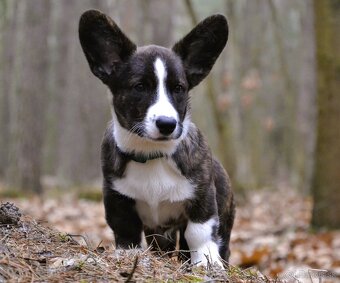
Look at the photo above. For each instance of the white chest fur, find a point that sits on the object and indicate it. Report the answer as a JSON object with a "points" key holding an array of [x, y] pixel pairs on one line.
{"points": [[158, 188]]}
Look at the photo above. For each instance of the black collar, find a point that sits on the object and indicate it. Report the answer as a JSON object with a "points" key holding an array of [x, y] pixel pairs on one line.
{"points": [[141, 158]]}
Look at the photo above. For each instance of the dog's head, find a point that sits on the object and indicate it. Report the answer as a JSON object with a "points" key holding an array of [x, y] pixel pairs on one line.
{"points": [[150, 84]]}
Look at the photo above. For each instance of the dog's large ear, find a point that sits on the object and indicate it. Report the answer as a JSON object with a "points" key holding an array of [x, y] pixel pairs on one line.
{"points": [[200, 48], [104, 44]]}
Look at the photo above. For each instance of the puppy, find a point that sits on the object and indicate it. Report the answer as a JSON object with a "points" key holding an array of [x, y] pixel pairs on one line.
{"points": [[159, 175]]}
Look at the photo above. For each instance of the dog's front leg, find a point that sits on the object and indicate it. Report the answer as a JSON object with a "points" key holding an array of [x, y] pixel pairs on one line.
{"points": [[123, 219], [203, 242]]}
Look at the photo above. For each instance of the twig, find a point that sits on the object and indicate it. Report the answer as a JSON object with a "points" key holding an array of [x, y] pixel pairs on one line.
{"points": [[133, 270], [80, 236]]}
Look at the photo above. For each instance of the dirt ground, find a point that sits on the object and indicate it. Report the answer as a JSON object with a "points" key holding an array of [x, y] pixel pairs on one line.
{"points": [[66, 239]]}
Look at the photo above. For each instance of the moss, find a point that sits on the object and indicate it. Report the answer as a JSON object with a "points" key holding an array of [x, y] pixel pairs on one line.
{"points": [[14, 193], [91, 194]]}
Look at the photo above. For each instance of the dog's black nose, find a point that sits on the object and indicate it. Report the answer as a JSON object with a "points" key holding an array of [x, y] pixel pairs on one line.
{"points": [[166, 125]]}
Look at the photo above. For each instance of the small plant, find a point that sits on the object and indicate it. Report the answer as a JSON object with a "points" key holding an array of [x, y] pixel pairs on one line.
{"points": [[79, 266], [93, 195], [64, 237]]}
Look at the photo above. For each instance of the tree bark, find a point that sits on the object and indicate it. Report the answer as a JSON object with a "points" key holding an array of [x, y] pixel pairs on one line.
{"points": [[326, 181], [289, 139], [13, 50], [306, 97], [225, 151], [82, 103], [32, 91], [6, 58]]}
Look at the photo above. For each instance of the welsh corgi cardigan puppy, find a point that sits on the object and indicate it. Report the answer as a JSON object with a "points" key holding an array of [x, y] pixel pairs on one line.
{"points": [[160, 177]]}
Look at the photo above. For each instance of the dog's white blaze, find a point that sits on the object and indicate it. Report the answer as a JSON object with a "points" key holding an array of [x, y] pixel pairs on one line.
{"points": [[201, 245], [156, 184], [162, 106]]}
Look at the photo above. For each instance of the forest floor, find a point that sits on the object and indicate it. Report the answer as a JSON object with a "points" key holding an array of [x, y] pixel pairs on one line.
{"points": [[66, 239]]}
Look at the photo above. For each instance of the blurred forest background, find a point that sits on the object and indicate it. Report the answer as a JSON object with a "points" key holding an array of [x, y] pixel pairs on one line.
{"points": [[257, 108]]}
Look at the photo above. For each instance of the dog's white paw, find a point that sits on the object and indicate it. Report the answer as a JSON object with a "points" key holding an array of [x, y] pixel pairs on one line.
{"points": [[206, 260], [204, 250]]}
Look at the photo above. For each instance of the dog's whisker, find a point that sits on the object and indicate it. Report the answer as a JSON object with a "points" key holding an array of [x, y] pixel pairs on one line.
{"points": [[135, 129]]}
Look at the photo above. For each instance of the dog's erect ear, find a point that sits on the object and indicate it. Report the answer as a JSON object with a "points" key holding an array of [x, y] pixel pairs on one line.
{"points": [[104, 44], [200, 48]]}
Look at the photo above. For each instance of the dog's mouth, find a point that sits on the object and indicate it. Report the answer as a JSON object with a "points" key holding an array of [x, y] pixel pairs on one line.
{"points": [[163, 138]]}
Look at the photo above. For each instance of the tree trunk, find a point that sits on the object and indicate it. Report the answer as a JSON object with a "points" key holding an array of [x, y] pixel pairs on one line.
{"points": [[244, 176], [32, 90], [13, 50], [326, 182], [82, 103], [224, 147], [306, 98], [289, 140], [6, 58]]}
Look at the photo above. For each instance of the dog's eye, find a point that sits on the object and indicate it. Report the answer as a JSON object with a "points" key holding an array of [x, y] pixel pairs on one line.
{"points": [[139, 87], [178, 89]]}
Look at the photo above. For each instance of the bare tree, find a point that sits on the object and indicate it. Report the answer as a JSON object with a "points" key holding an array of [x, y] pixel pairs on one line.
{"points": [[326, 181], [6, 55], [224, 144], [32, 91], [306, 98]]}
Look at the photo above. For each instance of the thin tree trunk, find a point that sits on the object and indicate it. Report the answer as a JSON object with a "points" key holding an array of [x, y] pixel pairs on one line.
{"points": [[289, 142], [161, 22], [306, 99], [223, 131], [243, 174], [56, 89], [6, 58], [14, 53], [82, 103], [32, 91], [326, 181]]}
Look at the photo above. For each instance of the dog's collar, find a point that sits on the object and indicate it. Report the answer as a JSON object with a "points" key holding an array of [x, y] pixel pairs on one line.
{"points": [[141, 158]]}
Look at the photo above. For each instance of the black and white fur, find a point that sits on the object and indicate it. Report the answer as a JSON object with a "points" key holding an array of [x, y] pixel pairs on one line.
{"points": [[159, 175]]}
